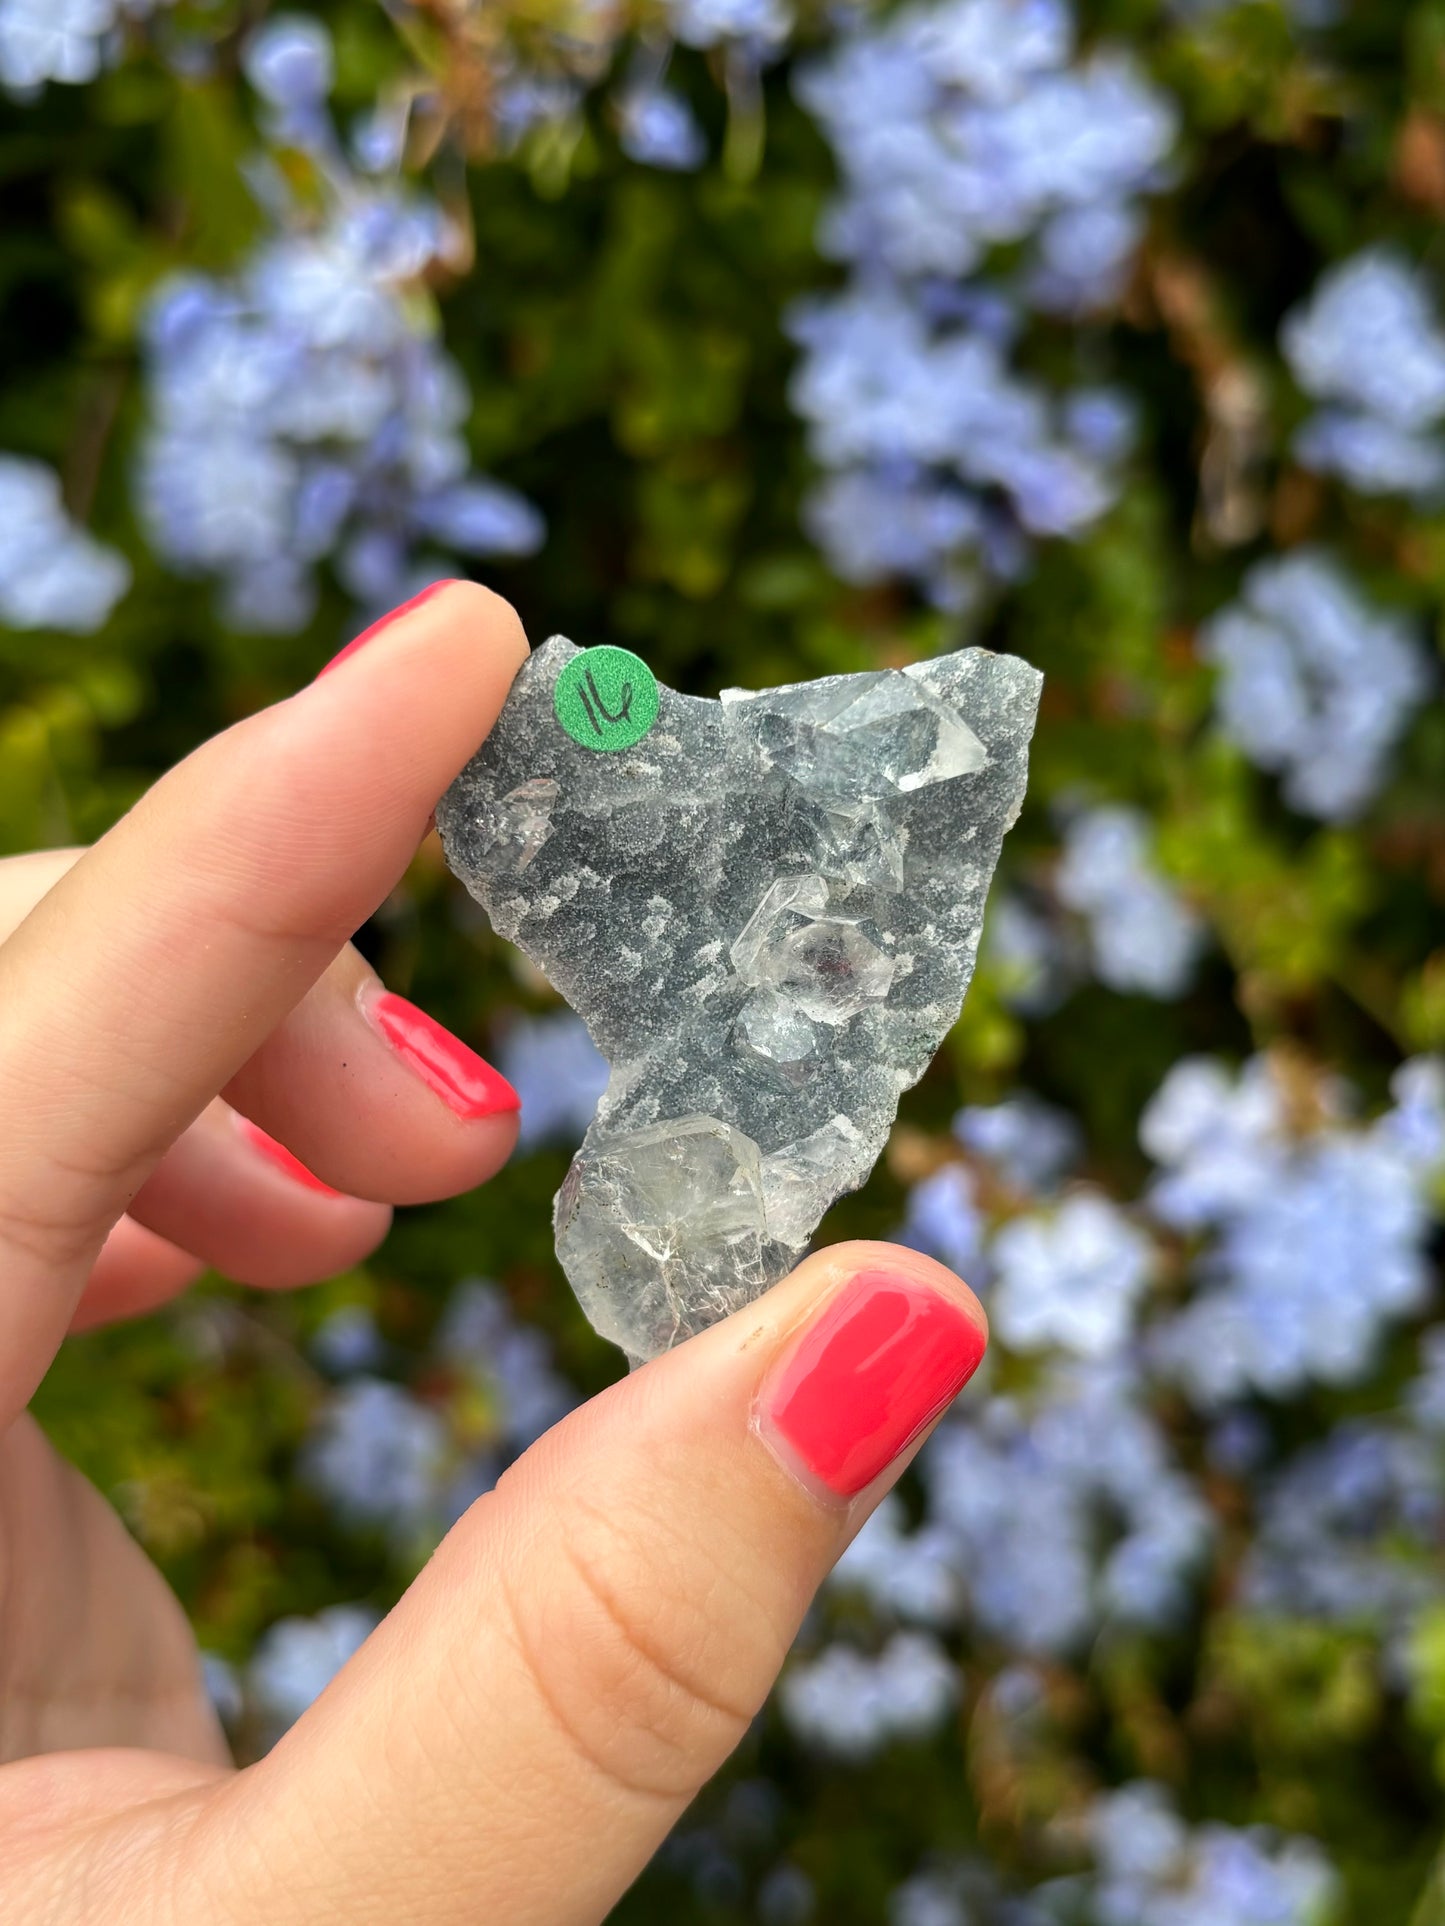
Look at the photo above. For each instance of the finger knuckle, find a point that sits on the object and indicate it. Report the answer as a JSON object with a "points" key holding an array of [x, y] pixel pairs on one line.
{"points": [[626, 1653]]}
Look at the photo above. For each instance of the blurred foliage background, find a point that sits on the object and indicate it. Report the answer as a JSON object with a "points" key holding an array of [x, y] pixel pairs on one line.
{"points": [[773, 345]]}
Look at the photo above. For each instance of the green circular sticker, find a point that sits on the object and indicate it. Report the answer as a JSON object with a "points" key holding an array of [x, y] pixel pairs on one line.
{"points": [[606, 698]]}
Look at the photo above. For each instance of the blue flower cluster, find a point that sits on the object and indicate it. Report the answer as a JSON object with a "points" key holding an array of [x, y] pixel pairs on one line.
{"points": [[657, 128], [944, 1219], [1028, 1143], [1030, 952], [69, 41], [1368, 346], [1049, 1516], [1154, 1870], [1071, 1279], [759, 25], [1150, 1869], [1066, 1511], [851, 1705], [541, 94], [557, 1071], [962, 1893], [1349, 1530], [304, 409], [1319, 1236], [52, 574], [377, 1456], [1055, 1512], [1022, 1144], [1058, 1511], [1142, 937], [385, 1460], [960, 130], [1315, 683], [297, 1659]]}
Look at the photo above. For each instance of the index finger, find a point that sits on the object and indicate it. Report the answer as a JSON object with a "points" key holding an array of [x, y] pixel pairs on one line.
{"points": [[148, 975]]}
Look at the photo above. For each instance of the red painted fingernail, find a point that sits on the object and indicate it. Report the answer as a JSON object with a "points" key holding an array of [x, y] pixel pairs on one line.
{"points": [[360, 641], [873, 1372], [465, 1082], [280, 1156]]}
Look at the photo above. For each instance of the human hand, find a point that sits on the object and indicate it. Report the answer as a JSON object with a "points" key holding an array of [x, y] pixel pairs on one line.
{"points": [[593, 1638]]}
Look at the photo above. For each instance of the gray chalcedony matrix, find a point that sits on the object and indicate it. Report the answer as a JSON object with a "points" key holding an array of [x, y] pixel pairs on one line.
{"points": [[766, 909]]}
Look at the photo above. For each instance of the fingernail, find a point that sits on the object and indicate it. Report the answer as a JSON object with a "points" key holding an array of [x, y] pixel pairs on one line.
{"points": [[280, 1156], [368, 635], [885, 1357], [465, 1082]]}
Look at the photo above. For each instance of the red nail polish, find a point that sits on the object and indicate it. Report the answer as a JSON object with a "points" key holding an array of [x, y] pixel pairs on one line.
{"points": [[880, 1364], [465, 1082], [385, 622], [280, 1156]]}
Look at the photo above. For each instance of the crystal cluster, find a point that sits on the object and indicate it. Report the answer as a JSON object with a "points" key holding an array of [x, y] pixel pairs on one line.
{"points": [[767, 912]]}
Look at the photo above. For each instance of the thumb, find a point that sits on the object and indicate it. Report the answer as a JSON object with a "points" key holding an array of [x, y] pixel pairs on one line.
{"points": [[594, 1637]]}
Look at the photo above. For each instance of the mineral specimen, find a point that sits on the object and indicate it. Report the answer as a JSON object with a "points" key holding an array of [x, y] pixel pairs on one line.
{"points": [[766, 909]]}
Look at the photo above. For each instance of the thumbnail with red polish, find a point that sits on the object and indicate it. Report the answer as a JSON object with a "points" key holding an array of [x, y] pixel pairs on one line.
{"points": [[465, 1082], [281, 1157], [369, 635], [886, 1356]]}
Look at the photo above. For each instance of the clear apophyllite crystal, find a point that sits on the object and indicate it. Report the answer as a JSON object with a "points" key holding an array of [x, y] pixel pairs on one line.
{"points": [[766, 910]]}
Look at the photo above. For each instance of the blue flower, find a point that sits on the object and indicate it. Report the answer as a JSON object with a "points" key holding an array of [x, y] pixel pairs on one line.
{"points": [[1029, 1142], [1033, 957], [944, 1220], [1320, 1240], [1314, 682], [512, 1360], [659, 129], [303, 411], [849, 1705], [348, 1342], [68, 41], [557, 1071], [1065, 1511], [963, 1893], [1368, 338], [786, 1897], [762, 25], [289, 60], [1367, 344], [1349, 1530], [960, 129], [53, 575], [1072, 1278], [1219, 1137], [1142, 936], [378, 1454], [298, 1658], [905, 1575], [1154, 1870]]}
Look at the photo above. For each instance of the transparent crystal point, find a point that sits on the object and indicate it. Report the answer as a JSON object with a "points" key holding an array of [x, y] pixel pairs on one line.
{"points": [[779, 1037], [849, 731], [662, 1230], [831, 970], [833, 1157], [782, 904], [522, 818], [860, 846]]}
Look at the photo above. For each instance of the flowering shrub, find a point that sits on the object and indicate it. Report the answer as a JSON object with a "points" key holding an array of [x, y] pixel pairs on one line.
{"points": [[771, 341]]}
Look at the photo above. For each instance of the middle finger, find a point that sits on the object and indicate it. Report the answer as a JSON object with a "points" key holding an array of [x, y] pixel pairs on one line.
{"points": [[364, 1088]]}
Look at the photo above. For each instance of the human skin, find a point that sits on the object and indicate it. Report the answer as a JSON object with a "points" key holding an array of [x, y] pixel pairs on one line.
{"points": [[591, 1640]]}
